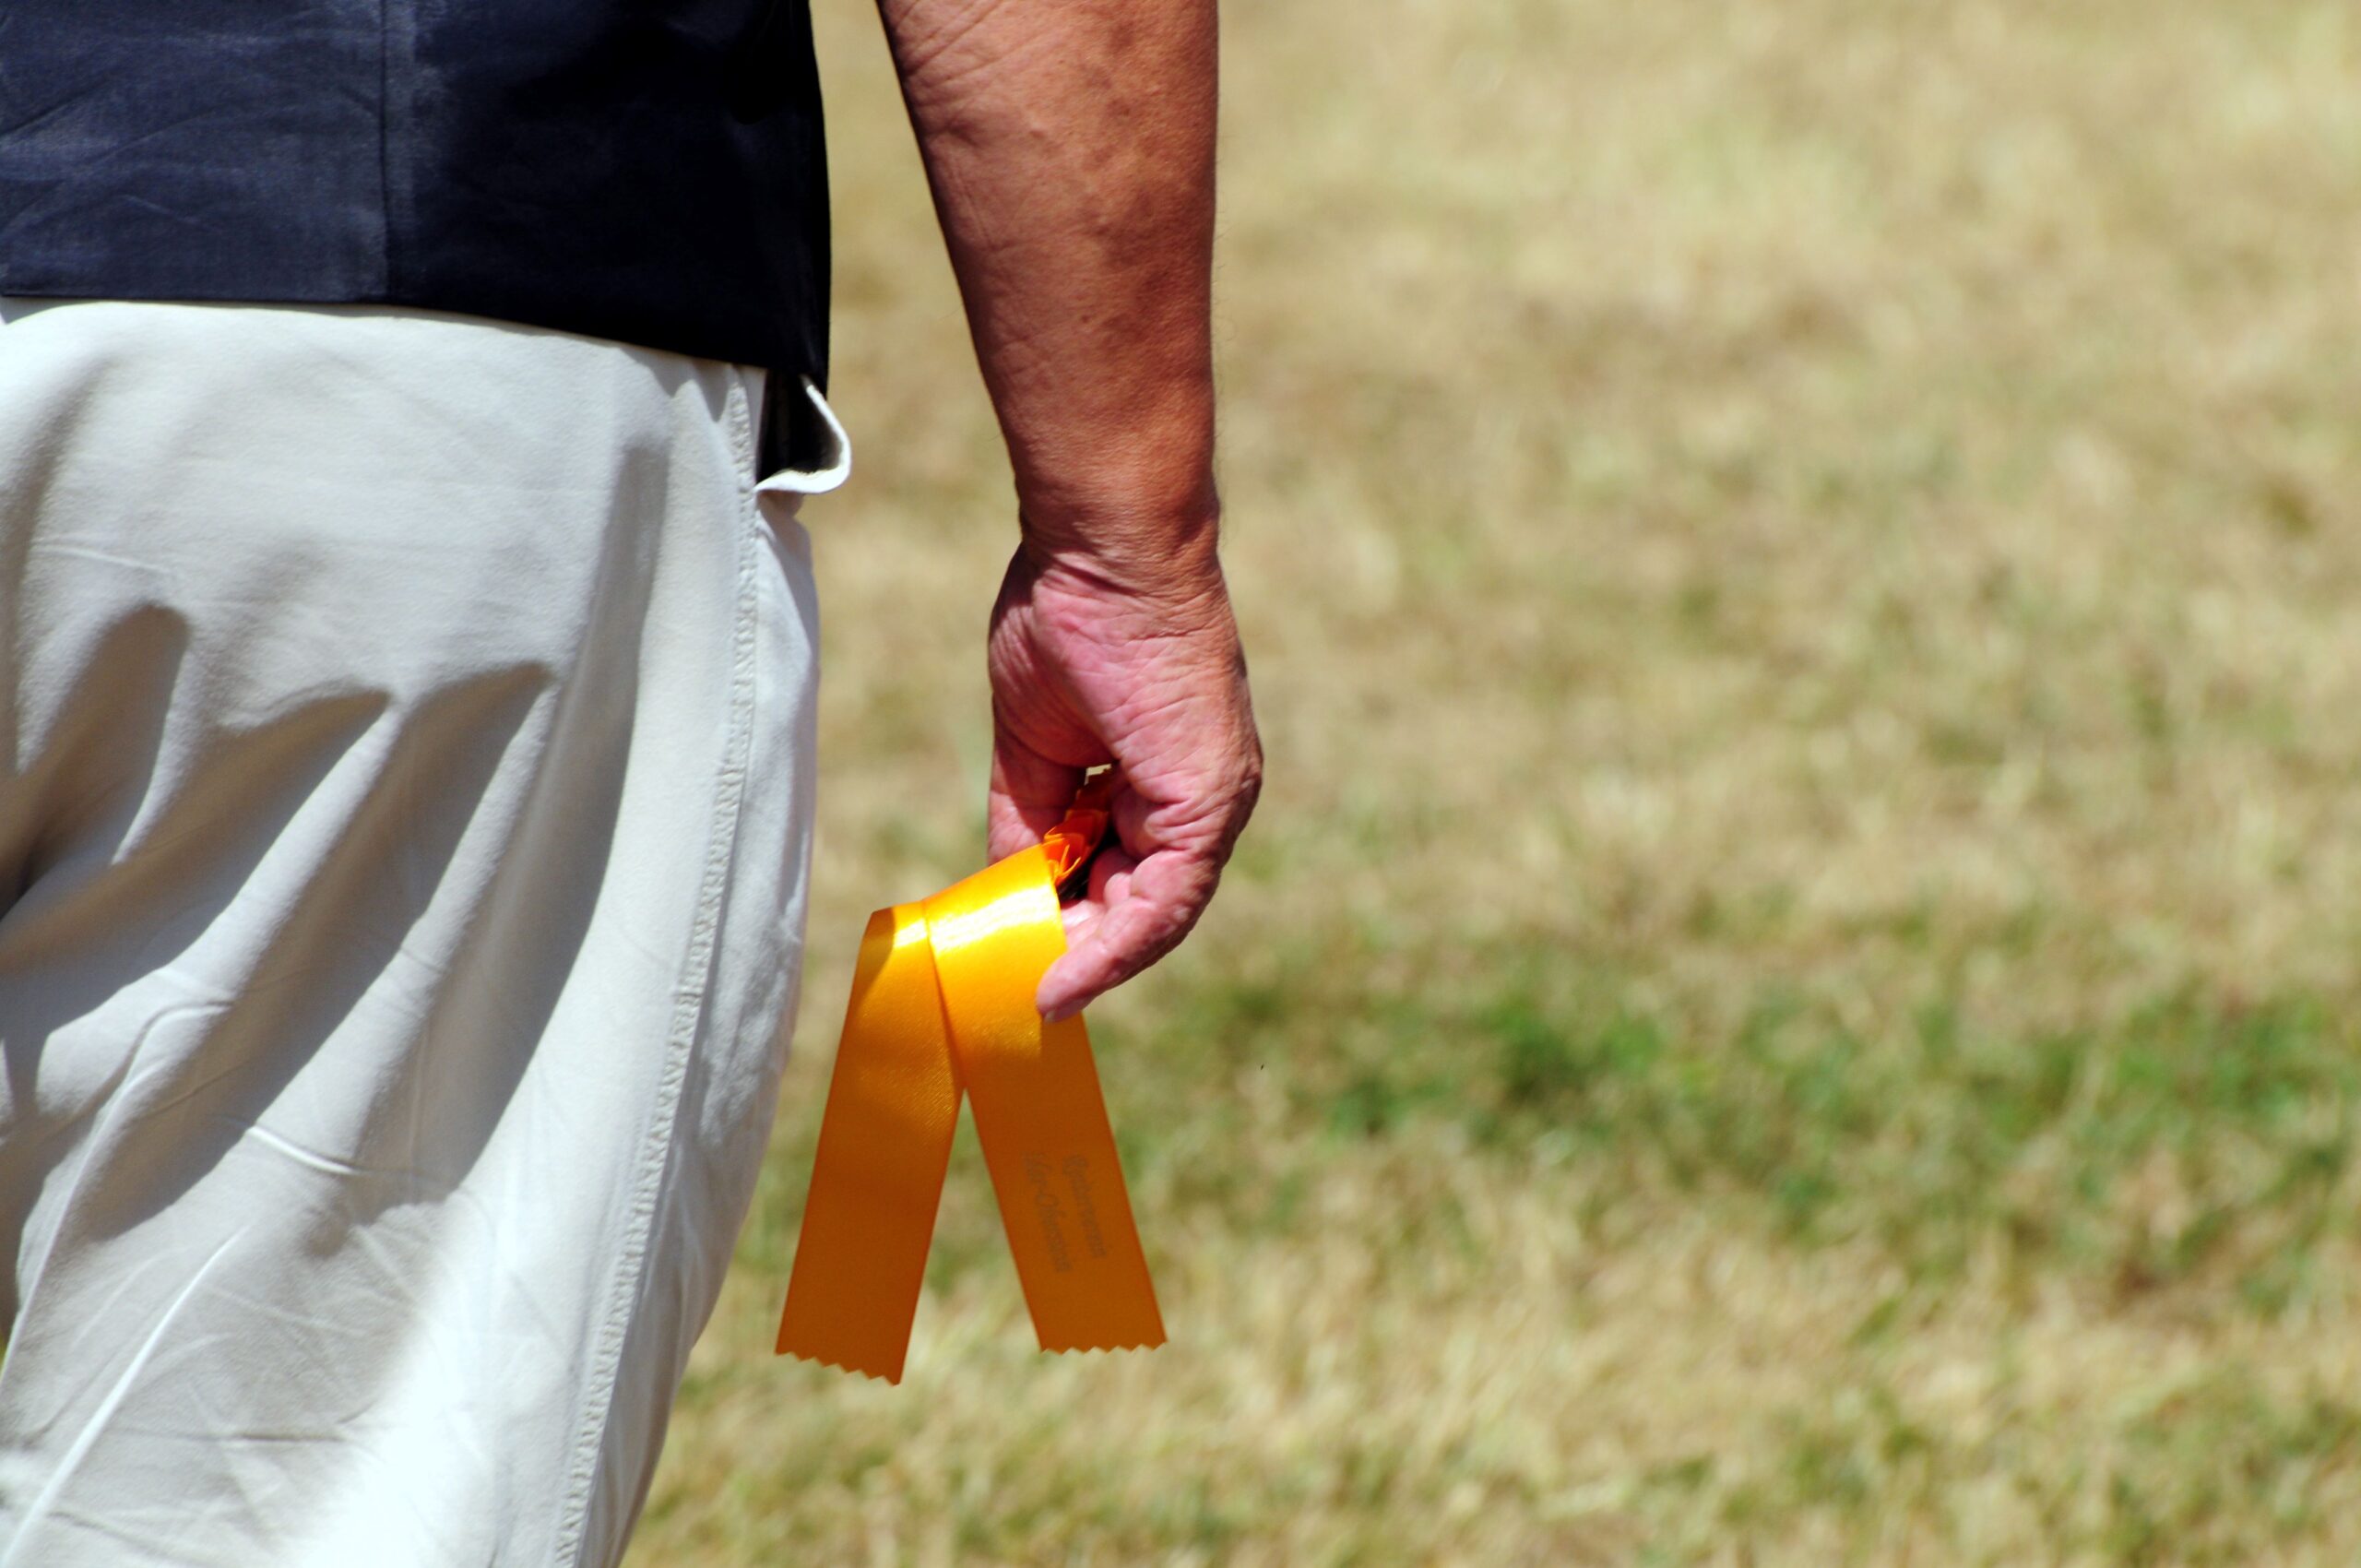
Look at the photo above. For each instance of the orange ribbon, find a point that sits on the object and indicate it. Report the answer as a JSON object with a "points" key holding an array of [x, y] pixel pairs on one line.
{"points": [[942, 1002]]}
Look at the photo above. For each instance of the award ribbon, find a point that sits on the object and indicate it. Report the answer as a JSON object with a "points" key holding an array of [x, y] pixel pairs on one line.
{"points": [[942, 1003]]}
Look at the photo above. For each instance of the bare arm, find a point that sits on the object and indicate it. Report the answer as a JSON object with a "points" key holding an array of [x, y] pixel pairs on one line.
{"points": [[1070, 147]]}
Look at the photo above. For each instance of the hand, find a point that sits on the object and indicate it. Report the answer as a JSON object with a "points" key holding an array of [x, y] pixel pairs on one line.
{"points": [[1087, 671]]}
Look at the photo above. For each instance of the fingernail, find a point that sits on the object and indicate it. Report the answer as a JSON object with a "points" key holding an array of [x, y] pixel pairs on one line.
{"points": [[1062, 1012]]}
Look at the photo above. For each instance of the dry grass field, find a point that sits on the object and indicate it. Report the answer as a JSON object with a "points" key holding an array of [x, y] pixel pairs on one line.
{"points": [[1794, 998]]}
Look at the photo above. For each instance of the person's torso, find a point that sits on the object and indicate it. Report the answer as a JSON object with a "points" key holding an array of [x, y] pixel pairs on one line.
{"points": [[648, 170]]}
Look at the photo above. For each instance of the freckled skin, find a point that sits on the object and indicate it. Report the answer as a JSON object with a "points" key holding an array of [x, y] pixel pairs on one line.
{"points": [[1070, 147]]}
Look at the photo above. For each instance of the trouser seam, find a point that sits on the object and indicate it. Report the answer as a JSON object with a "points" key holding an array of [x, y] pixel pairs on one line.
{"points": [[689, 1005]]}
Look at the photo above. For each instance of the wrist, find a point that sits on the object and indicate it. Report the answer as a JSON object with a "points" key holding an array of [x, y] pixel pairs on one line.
{"points": [[1151, 547], [1124, 471]]}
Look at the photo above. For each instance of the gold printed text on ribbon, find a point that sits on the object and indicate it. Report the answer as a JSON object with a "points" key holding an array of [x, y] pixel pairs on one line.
{"points": [[942, 1002]]}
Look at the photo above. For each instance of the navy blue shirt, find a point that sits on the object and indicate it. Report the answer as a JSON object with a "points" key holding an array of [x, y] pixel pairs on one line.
{"points": [[647, 171]]}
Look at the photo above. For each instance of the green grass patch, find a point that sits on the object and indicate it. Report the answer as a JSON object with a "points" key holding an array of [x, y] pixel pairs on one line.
{"points": [[2188, 1133]]}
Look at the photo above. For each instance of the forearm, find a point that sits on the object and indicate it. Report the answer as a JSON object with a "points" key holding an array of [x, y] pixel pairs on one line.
{"points": [[1070, 147]]}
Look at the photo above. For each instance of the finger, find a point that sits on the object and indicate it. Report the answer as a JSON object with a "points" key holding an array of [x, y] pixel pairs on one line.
{"points": [[1111, 881], [1161, 899], [1029, 795]]}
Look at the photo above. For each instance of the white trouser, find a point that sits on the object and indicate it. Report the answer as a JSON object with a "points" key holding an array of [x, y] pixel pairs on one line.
{"points": [[406, 787]]}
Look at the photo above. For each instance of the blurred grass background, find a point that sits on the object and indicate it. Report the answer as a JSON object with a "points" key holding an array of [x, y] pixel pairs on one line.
{"points": [[1792, 998]]}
